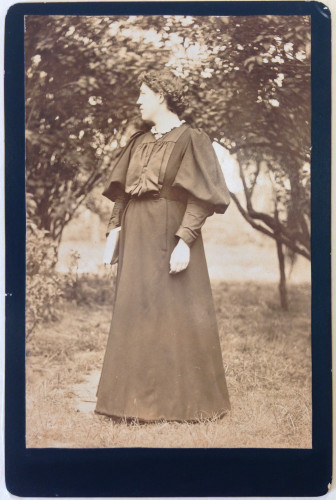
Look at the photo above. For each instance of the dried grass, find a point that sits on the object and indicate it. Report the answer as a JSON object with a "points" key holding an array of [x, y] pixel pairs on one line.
{"points": [[267, 361]]}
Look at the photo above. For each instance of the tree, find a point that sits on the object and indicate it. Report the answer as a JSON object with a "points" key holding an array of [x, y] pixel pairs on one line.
{"points": [[248, 79], [271, 129], [74, 70]]}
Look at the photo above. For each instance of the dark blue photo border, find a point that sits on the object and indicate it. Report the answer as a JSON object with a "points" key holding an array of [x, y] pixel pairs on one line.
{"points": [[167, 472]]}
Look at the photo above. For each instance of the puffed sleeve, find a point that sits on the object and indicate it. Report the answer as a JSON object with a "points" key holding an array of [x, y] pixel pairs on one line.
{"points": [[200, 173], [194, 217], [115, 186]]}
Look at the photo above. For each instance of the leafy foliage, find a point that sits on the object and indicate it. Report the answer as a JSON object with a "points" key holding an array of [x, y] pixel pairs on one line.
{"points": [[87, 289], [44, 286], [47, 290], [248, 81]]}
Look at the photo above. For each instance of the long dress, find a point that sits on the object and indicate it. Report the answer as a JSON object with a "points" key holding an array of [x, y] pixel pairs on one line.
{"points": [[163, 358]]}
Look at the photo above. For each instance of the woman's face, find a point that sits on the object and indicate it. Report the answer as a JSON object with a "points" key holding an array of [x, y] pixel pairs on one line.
{"points": [[149, 103]]}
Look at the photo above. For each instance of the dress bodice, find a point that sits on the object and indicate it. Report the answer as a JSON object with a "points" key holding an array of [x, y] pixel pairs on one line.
{"points": [[148, 163], [183, 159]]}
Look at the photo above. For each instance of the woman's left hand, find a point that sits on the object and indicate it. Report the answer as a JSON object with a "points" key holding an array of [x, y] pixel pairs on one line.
{"points": [[179, 258]]}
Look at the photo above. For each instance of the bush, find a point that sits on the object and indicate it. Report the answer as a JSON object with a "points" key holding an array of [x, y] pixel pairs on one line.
{"points": [[88, 288], [44, 286], [47, 289]]}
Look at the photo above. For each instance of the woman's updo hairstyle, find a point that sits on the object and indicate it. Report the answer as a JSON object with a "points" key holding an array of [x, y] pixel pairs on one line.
{"points": [[170, 86]]}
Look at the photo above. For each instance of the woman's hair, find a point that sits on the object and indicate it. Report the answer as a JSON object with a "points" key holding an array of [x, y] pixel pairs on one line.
{"points": [[170, 86]]}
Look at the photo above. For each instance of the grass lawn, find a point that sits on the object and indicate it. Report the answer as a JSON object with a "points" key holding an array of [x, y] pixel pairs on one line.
{"points": [[266, 355]]}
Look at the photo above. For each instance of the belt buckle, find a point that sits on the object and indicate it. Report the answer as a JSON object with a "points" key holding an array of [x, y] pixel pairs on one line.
{"points": [[156, 196]]}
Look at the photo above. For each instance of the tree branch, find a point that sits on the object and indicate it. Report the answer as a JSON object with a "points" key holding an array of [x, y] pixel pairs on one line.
{"points": [[277, 234]]}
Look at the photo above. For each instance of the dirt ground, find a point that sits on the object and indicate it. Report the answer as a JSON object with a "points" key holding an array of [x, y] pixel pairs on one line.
{"points": [[267, 360]]}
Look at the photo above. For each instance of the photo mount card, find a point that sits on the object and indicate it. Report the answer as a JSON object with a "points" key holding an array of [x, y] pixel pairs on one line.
{"points": [[53, 470]]}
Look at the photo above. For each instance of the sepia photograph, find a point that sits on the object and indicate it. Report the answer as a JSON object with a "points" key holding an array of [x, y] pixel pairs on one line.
{"points": [[168, 242]]}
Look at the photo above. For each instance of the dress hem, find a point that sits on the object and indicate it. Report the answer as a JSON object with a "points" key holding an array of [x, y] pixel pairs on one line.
{"points": [[162, 419]]}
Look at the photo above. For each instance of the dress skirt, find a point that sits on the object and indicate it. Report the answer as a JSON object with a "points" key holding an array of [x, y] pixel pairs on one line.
{"points": [[163, 358]]}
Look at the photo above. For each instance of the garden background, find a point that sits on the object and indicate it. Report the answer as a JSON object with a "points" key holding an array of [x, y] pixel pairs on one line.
{"points": [[248, 82]]}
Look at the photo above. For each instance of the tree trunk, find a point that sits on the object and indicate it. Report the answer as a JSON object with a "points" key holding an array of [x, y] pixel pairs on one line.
{"points": [[282, 282]]}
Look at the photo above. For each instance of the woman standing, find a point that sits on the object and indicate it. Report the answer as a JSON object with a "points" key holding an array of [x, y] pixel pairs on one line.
{"points": [[163, 358]]}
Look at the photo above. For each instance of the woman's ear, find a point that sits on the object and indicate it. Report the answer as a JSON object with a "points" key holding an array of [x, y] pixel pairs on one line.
{"points": [[161, 98]]}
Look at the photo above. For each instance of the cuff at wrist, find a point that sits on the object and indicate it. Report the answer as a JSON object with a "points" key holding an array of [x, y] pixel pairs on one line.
{"points": [[186, 235]]}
